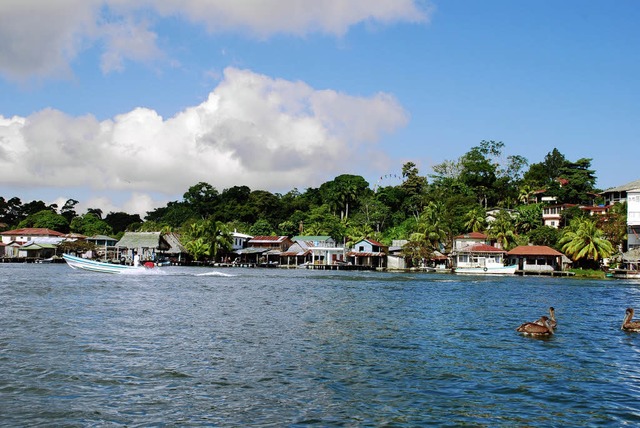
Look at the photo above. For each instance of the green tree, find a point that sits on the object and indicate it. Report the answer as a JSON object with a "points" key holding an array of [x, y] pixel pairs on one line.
{"points": [[90, 225], [261, 228], [198, 248], [544, 235], [502, 230], [585, 243], [46, 219], [476, 219], [68, 210], [202, 199]]}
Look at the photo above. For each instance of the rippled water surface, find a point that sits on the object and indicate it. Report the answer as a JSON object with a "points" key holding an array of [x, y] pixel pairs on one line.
{"points": [[269, 347]]}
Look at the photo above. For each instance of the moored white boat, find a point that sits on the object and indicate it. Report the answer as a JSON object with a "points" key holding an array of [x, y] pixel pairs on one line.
{"points": [[96, 266], [487, 270]]}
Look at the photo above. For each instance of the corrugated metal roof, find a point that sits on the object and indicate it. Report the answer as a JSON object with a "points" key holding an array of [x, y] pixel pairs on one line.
{"points": [[143, 240], [257, 239], [625, 187], [32, 231]]}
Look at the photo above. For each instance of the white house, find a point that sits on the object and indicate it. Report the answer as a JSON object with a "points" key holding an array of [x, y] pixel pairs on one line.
{"points": [[633, 218]]}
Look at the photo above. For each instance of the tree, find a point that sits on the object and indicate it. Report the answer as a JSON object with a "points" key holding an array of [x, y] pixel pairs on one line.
{"points": [[261, 228], [414, 187], [46, 219], [198, 248], [502, 228], [476, 219], [68, 210], [614, 225], [202, 199], [544, 235], [584, 242], [90, 225], [120, 221], [431, 226]]}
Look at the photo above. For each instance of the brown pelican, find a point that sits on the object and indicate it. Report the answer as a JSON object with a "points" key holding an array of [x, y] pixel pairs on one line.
{"points": [[628, 324], [552, 318], [534, 329]]}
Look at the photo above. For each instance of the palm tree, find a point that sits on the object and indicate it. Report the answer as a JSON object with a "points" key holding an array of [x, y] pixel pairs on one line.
{"points": [[501, 229], [434, 230], [221, 238], [476, 219], [582, 240], [525, 193], [198, 248]]}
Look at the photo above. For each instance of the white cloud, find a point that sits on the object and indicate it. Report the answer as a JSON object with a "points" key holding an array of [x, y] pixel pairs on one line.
{"points": [[40, 38], [252, 130]]}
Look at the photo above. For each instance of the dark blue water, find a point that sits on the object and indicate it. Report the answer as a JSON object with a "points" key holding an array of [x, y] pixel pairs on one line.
{"points": [[268, 347]]}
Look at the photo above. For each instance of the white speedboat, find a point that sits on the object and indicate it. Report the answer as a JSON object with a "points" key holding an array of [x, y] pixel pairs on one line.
{"points": [[96, 266]]}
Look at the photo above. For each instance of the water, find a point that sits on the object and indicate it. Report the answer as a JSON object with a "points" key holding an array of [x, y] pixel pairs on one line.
{"points": [[269, 347]]}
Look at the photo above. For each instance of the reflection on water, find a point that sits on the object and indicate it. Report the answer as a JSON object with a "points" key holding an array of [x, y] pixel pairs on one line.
{"points": [[235, 347]]}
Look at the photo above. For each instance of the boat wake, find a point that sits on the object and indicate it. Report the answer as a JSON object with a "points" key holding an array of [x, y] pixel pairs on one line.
{"points": [[214, 273]]}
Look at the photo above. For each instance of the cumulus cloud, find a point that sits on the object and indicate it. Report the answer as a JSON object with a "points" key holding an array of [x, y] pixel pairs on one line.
{"points": [[252, 130], [40, 38]]}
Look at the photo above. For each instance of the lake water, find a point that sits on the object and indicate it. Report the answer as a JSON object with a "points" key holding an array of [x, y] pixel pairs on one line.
{"points": [[268, 347]]}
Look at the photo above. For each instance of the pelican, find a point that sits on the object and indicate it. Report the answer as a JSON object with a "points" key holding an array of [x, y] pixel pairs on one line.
{"points": [[552, 318], [628, 324], [534, 329]]}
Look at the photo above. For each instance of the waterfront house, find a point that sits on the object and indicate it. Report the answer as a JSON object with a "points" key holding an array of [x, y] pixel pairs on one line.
{"points": [[24, 242], [535, 258], [240, 240], [264, 249], [147, 245], [322, 250], [105, 246], [478, 255], [472, 250], [368, 252], [28, 234]]}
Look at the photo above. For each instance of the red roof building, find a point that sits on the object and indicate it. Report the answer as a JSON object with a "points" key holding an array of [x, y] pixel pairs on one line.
{"points": [[535, 258]]}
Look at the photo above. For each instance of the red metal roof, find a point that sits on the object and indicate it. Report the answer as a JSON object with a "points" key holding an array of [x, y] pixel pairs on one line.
{"points": [[533, 250], [268, 238], [32, 231]]}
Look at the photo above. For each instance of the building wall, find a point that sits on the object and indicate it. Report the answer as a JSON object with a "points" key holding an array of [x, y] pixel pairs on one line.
{"points": [[633, 219]]}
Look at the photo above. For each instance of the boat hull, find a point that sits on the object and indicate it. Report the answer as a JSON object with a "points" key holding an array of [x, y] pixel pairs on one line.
{"points": [[487, 270], [95, 266], [625, 274]]}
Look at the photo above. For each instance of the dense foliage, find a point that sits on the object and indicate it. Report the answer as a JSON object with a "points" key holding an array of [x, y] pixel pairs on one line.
{"points": [[427, 211]]}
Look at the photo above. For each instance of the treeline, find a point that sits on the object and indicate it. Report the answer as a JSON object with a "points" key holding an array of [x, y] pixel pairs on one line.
{"points": [[426, 210]]}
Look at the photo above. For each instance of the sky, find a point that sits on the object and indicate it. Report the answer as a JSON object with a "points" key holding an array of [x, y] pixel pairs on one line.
{"points": [[123, 105]]}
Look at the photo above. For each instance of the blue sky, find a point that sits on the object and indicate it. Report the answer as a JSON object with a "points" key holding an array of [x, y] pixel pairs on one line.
{"points": [[125, 106]]}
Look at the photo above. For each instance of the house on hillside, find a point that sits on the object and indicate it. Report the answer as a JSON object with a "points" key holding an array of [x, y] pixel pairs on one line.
{"points": [[368, 252], [535, 258], [467, 239], [629, 193]]}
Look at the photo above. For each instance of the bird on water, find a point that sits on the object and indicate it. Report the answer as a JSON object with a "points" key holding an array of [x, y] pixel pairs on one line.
{"points": [[552, 318], [628, 324], [534, 329]]}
